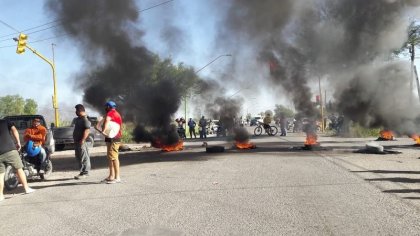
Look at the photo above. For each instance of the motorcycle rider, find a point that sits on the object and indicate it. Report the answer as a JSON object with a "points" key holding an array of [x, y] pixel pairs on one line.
{"points": [[37, 133], [10, 156]]}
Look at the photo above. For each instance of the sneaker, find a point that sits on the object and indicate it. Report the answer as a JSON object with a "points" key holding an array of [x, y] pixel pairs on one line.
{"points": [[114, 181], [29, 190], [1, 198], [81, 176]]}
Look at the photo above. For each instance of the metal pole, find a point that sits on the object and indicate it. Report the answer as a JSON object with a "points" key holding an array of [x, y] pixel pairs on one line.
{"points": [[185, 99], [417, 79], [55, 106], [321, 105]]}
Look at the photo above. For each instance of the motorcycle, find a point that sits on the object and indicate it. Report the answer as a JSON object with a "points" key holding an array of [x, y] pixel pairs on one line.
{"points": [[31, 167]]}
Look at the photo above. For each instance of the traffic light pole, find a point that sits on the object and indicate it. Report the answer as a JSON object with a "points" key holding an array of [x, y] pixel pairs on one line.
{"points": [[54, 98]]}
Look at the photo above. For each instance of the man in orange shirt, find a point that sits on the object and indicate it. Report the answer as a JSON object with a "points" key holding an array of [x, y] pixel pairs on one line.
{"points": [[37, 133]]}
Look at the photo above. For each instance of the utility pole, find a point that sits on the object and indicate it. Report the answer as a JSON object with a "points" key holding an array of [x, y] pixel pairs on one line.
{"points": [[185, 99], [321, 104], [21, 49], [412, 53]]}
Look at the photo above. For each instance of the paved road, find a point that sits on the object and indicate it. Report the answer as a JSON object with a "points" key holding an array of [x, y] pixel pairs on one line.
{"points": [[272, 190]]}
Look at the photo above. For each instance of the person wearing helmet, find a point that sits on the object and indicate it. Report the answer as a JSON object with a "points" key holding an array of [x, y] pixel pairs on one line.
{"points": [[112, 144], [9, 155], [37, 133]]}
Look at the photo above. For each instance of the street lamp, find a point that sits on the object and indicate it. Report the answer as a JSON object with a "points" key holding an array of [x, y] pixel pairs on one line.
{"points": [[215, 59]]}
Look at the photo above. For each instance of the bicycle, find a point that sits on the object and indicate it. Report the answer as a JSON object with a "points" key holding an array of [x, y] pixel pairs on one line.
{"points": [[271, 131]]}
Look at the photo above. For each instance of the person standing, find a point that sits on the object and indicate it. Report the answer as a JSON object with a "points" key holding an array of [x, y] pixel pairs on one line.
{"points": [[202, 125], [80, 134], [283, 125], [191, 126], [9, 155], [112, 144]]}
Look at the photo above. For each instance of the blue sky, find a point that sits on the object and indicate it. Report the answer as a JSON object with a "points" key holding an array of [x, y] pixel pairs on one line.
{"points": [[31, 77]]}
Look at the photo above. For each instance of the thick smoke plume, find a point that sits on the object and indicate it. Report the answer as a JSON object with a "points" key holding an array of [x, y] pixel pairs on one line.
{"points": [[119, 68], [347, 41]]}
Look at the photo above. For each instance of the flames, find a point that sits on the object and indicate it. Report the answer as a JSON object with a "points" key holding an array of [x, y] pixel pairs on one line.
{"points": [[244, 145], [173, 147], [311, 139], [416, 138], [386, 134], [168, 147]]}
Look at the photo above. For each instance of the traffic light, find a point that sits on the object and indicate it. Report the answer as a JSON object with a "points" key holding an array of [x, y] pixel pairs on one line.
{"points": [[21, 43]]}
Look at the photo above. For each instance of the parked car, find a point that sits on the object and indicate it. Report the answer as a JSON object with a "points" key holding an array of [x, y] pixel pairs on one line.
{"points": [[22, 122], [64, 135], [255, 120]]}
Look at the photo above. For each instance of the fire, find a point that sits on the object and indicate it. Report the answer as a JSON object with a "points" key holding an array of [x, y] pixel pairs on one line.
{"points": [[311, 139], [156, 143], [173, 147], [416, 138], [386, 134], [245, 145]]}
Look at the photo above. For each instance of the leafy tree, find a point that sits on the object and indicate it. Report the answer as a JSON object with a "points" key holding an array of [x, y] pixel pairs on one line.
{"points": [[31, 107], [16, 105], [412, 42], [280, 109]]}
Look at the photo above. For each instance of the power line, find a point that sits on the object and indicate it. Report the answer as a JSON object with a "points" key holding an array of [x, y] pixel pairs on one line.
{"points": [[156, 5], [37, 41], [8, 35], [53, 26], [9, 26]]}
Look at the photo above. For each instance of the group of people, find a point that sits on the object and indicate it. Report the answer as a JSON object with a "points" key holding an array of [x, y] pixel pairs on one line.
{"points": [[282, 121], [36, 135], [81, 133], [202, 127]]}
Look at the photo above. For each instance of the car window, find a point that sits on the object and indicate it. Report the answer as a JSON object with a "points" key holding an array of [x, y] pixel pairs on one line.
{"points": [[23, 122]]}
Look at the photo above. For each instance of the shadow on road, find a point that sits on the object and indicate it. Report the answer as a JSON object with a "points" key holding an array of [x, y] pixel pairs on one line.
{"points": [[396, 180], [131, 158], [387, 171]]}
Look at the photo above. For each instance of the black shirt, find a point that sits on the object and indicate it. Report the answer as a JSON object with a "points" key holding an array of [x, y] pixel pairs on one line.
{"points": [[6, 141], [80, 125]]}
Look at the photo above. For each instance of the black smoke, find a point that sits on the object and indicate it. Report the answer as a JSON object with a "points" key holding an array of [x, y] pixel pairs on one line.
{"points": [[119, 67], [348, 41]]}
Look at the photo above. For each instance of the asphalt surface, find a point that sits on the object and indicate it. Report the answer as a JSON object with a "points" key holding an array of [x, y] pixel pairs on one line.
{"points": [[275, 189]]}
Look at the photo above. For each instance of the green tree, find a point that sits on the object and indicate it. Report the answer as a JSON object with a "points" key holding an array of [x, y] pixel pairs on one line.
{"points": [[11, 105], [16, 105], [280, 109], [31, 107], [412, 42]]}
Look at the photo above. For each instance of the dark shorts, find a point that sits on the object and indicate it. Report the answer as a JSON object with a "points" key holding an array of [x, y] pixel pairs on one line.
{"points": [[10, 158]]}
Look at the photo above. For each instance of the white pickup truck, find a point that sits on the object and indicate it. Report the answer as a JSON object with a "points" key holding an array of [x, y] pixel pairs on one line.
{"points": [[22, 122]]}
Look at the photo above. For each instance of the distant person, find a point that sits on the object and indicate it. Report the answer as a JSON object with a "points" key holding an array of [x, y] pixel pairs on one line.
{"points": [[9, 155], [202, 126], [283, 125], [37, 133], [267, 121], [112, 144], [191, 126], [80, 134]]}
